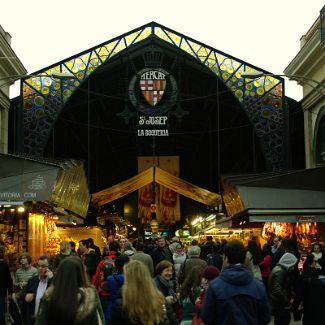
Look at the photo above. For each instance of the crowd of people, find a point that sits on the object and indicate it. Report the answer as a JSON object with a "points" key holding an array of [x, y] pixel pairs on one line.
{"points": [[160, 282]]}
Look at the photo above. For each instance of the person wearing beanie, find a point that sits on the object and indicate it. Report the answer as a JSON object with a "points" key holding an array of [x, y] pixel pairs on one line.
{"points": [[235, 297], [208, 274], [280, 289]]}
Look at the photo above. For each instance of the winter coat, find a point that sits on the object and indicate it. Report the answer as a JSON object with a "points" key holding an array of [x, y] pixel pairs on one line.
{"points": [[280, 286], [179, 259], [188, 265], [235, 297], [89, 311]]}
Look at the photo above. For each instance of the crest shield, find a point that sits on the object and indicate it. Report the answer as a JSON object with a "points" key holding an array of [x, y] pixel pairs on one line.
{"points": [[153, 85]]}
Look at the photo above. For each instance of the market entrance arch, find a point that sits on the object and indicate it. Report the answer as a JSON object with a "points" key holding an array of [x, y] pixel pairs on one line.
{"points": [[261, 101]]}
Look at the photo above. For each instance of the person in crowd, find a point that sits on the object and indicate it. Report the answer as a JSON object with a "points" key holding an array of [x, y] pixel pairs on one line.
{"points": [[317, 252], [235, 297], [35, 289], [149, 246], [222, 245], [179, 257], [194, 242], [174, 243], [23, 274], [146, 259], [121, 243], [189, 292], [73, 251], [105, 268], [313, 297], [280, 289], [166, 285], [88, 257], [215, 259], [114, 284], [70, 299], [162, 252], [151, 309], [265, 264], [95, 248], [253, 258], [128, 249], [207, 248], [65, 251], [6, 286], [193, 260], [208, 274], [276, 244], [112, 250]]}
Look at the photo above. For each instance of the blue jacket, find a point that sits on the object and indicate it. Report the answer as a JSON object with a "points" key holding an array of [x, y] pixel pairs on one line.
{"points": [[234, 298], [114, 284]]}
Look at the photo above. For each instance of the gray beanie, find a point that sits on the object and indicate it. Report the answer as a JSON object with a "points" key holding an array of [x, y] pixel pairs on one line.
{"points": [[288, 260]]}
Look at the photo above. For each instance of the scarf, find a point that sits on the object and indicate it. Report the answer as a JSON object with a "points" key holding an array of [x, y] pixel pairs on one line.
{"points": [[169, 285]]}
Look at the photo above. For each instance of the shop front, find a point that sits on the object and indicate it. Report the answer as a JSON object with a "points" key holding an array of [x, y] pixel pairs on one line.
{"points": [[285, 204], [36, 194]]}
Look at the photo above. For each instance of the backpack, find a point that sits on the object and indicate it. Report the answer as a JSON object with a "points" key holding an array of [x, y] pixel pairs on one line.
{"points": [[104, 269]]}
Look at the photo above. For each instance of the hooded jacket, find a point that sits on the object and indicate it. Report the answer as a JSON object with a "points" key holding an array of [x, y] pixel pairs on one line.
{"points": [[279, 281], [88, 311], [235, 297]]}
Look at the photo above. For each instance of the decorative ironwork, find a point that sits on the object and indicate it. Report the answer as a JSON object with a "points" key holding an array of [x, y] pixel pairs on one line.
{"points": [[262, 99]]}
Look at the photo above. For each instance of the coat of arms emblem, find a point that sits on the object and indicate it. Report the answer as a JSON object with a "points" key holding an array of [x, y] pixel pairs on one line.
{"points": [[153, 84]]}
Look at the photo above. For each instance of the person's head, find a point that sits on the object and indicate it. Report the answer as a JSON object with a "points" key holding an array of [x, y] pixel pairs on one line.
{"points": [[65, 246], [72, 246], [120, 261], [175, 239], [276, 241], [194, 242], [43, 265], [165, 269], [91, 242], [194, 251], [179, 248], [316, 248], [288, 261], [266, 249], [209, 238], [70, 277], [309, 261], [113, 246], [24, 259], [234, 252], [161, 241], [139, 246], [209, 273], [122, 242], [83, 246], [138, 283]]}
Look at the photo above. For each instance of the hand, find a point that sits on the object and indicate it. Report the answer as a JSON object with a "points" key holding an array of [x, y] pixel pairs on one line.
{"points": [[29, 297], [169, 299], [49, 274]]}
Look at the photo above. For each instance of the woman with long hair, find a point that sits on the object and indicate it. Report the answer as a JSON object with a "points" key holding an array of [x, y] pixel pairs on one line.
{"points": [[253, 258], [71, 299], [140, 302]]}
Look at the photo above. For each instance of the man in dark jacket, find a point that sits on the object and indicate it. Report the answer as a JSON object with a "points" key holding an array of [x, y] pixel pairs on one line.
{"points": [[235, 297], [280, 288], [162, 252], [35, 289]]}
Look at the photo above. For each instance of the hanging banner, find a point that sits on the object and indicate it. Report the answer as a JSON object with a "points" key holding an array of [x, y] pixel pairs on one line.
{"points": [[147, 194], [168, 206]]}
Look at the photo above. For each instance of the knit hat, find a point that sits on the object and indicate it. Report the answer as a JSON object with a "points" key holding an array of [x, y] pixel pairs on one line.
{"points": [[210, 272], [288, 260]]}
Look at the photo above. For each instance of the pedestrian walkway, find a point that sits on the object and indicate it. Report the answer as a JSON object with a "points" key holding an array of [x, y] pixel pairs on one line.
{"points": [[299, 322]]}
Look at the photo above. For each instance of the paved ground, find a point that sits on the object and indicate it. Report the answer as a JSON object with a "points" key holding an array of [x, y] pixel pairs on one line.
{"points": [[291, 323]]}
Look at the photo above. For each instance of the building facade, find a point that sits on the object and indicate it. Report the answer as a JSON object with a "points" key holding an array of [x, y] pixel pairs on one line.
{"points": [[10, 68], [308, 68]]}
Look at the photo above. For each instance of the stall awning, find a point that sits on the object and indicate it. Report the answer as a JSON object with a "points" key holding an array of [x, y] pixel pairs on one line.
{"points": [[32, 179], [264, 197], [156, 174]]}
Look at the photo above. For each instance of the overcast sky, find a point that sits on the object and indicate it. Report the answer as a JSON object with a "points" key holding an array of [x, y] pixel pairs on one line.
{"points": [[263, 33]]}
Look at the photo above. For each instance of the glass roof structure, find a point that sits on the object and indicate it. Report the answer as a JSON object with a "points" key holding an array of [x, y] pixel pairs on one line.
{"points": [[262, 99]]}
